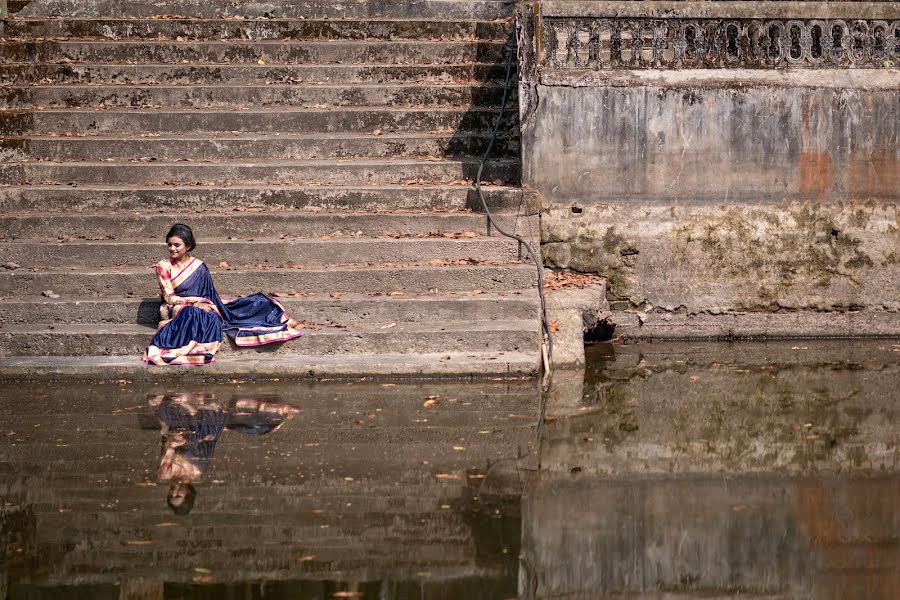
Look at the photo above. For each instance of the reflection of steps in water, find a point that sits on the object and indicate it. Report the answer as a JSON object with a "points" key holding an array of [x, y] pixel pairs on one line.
{"points": [[363, 485], [761, 536], [791, 407]]}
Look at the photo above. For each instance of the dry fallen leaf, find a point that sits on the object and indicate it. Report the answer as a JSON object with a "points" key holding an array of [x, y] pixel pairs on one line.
{"points": [[448, 476]]}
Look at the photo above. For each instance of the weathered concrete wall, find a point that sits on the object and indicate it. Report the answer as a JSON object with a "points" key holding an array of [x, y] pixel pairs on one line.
{"points": [[711, 537], [716, 190]]}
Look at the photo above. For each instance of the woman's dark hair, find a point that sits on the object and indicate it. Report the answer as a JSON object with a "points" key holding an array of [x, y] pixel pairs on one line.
{"points": [[180, 230], [187, 504]]}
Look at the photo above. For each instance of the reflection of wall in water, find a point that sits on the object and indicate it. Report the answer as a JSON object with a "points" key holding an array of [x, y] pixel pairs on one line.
{"points": [[804, 537]]}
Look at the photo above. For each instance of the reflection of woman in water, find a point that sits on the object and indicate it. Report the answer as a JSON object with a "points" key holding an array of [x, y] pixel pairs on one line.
{"points": [[191, 424], [193, 315]]}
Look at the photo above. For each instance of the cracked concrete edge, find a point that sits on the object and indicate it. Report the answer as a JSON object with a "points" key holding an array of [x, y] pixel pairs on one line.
{"points": [[659, 324], [574, 311], [375, 367]]}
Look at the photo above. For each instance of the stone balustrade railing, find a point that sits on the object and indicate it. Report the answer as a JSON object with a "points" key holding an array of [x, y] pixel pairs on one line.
{"points": [[705, 35]]}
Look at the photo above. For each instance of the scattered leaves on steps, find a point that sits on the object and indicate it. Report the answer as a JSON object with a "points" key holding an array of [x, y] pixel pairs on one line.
{"points": [[558, 280]]}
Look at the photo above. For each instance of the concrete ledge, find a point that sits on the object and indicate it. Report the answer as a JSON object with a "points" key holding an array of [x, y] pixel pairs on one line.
{"points": [[459, 365], [855, 79], [663, 325], [711, 10], [574, 311]]}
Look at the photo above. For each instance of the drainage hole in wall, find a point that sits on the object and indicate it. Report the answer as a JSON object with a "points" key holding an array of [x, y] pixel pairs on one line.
{"points": [[603, 331]]}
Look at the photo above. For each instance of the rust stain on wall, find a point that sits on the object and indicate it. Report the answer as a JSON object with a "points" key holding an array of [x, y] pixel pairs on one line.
{"points": [[875, 176], [815, 174]]}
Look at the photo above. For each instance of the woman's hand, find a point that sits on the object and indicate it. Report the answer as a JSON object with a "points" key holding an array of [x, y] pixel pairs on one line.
{"points": [[204, 306]]}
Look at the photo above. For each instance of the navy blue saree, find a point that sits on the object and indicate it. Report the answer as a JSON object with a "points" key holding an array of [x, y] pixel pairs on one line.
{"points": [[194, 316]]}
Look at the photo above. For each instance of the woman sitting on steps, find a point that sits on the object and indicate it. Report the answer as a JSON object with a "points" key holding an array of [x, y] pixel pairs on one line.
{"points": [[193, 315]]}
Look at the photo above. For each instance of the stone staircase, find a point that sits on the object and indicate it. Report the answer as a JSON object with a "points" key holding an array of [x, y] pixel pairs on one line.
{"points": [[323, 153]]}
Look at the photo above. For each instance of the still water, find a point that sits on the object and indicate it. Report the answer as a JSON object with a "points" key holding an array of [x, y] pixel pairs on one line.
{"points": [[662, 471]]}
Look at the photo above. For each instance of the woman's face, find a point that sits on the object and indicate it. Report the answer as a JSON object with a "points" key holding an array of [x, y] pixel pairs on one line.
{"points": [[177, 248]]}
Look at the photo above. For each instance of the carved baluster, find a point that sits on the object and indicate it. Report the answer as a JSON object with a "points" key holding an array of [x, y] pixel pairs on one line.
{"points": [[880, 36], [605, 53], [860, 44], [894, 43], [798, 42], [679, 45], [551, 44], [646, 51], [838, 52], [572, 45], [818, 43], [730, 42], [594, 46], [663, 50]]}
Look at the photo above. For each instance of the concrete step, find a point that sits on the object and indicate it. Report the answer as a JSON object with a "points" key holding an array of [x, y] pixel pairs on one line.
{"points": [[327, 172], [413, 195], [322, 308], [340, 9], [223, 95], [271, 52], [268, 146], [187, 74], [108, 339], [142, 282], [261, 29], [495, 366], [238, 252], [250, 224], [361, 119]]}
